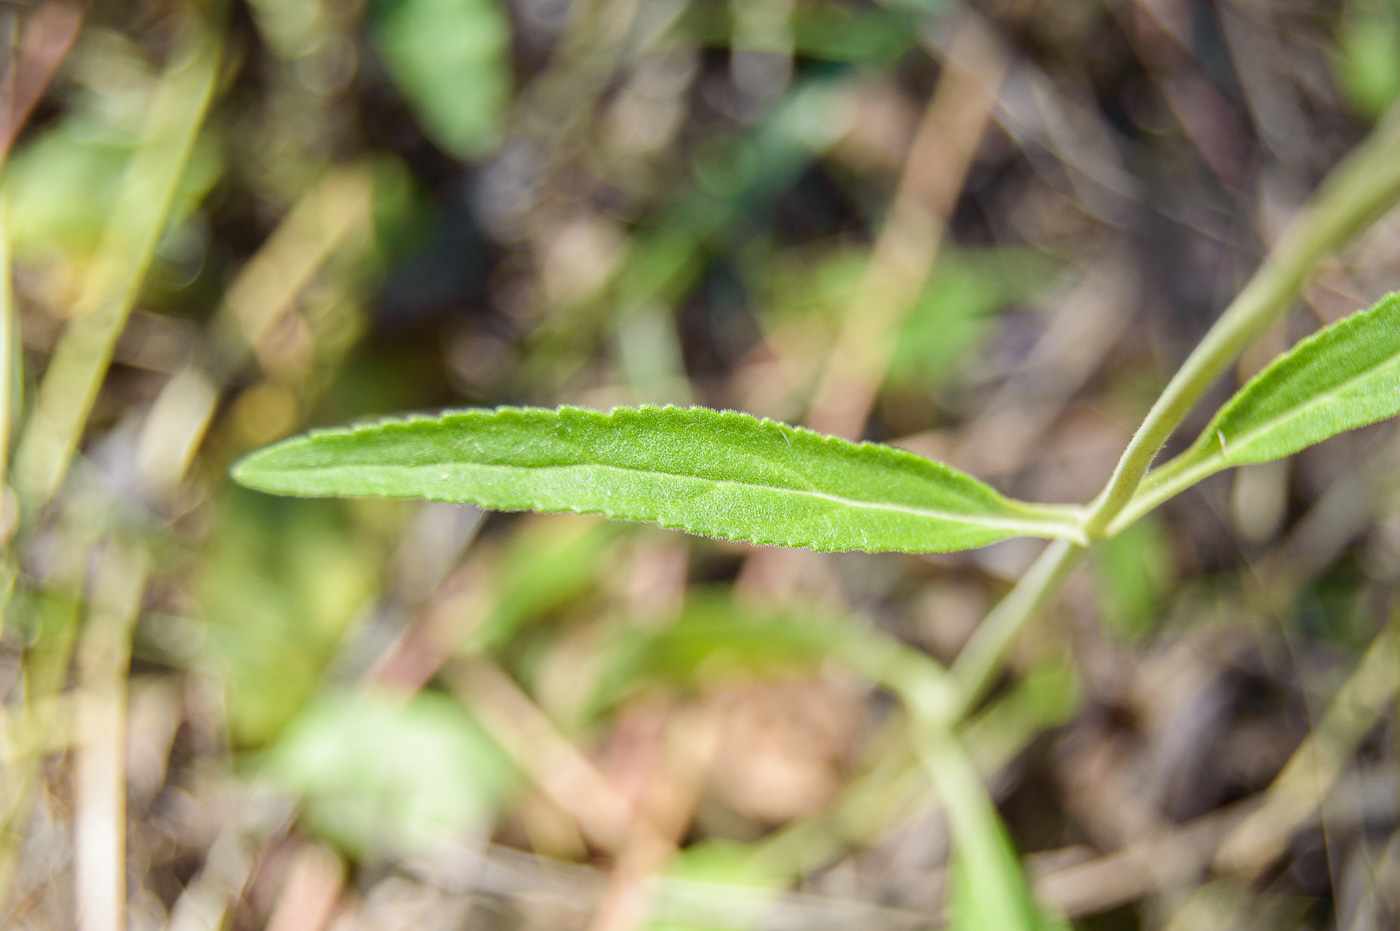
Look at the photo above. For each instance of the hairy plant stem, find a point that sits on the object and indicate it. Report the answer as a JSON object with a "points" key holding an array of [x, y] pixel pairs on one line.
{"points": [[1354, 195]]}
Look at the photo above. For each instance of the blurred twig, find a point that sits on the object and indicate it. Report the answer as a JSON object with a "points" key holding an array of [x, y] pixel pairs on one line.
{"points": [[267, 288], [1313, 769], [944, 147], [676, 749], [47, 37], [139, 217], [262, 296], [563, 773], [99, 820], [313, 886]]}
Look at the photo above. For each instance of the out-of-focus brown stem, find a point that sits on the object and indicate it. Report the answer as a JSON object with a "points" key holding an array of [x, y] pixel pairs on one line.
{"points": [[47, 37], [313, 887], [682, 746], [563, 774], [935, 170]]}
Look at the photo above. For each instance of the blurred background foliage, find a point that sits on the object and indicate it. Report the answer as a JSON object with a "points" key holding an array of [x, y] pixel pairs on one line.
{"points": [[986, 232]]}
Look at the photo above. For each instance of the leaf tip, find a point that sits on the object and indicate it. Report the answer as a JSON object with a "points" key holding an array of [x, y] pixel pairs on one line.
{"points": [[255, 471], [245, 471]]}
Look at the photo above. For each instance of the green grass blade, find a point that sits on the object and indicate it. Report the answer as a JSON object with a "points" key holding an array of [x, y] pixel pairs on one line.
{"points": [[1344, 376], [81, 358], [717, 473], [9, 357]]}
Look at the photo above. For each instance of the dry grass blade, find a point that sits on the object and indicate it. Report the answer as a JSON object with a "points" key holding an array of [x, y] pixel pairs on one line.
{"points": [[1314, 768], [104, 654]]}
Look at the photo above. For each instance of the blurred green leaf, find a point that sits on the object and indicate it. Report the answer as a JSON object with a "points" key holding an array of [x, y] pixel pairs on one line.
{"points": [[801, 285], [63, 184], [953, 316], [841, 32], [824, 31], [948, 324], [719, 473], [451, 60], [714, 637], [399, 209], [278, 587], [1367, 62], [1047, 695], [981, 891], [721, 871], [1135, 569], [736, 180], [544, 567], [987, 889], [380, 771], [732, 182]]}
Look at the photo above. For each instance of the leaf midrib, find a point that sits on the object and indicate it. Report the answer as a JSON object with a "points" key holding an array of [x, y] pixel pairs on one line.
{"points": [[1008, 523]]}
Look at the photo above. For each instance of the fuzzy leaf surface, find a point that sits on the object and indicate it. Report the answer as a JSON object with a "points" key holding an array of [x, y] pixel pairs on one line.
{"points": [[718, 473]]}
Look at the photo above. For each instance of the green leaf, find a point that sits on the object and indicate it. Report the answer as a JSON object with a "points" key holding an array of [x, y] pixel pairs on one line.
{"points": [[715, 637], [450, 59], [278, 588], [1135, 572], [1344, 376], [1367, 58], [376, 770], [718, 473], [987, 888]]}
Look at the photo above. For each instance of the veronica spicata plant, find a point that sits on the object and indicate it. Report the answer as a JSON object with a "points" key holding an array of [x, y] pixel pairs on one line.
{"points": [[730, 475], [727, 474]]}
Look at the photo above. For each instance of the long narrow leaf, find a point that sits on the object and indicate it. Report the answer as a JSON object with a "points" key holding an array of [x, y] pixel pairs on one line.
{"points": [[718, 473], [1344, 376]]}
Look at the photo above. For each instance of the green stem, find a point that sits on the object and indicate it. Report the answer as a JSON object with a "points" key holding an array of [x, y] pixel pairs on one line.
{"points": [[977, 664], [1155, 490], [1355, 195]]}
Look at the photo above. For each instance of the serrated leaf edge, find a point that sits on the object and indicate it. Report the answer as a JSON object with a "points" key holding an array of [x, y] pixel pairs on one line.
{"points": [[1042, 520]]}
